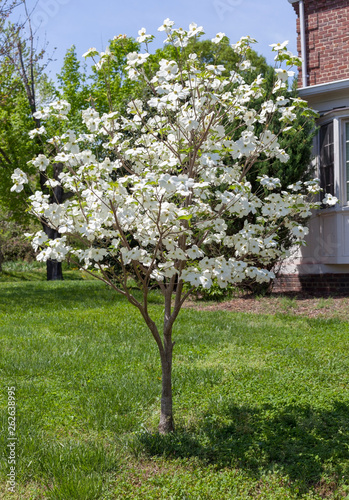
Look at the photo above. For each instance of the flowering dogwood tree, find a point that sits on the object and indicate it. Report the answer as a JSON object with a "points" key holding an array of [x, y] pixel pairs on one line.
{"points": [[171, 174]]}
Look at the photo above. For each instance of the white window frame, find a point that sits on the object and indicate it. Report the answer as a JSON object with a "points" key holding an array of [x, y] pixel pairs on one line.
{"points": [[345, 163], [340, 119]]}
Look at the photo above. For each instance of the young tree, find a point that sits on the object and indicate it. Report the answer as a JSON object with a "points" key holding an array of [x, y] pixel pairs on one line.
{"points": [[171, 175]]}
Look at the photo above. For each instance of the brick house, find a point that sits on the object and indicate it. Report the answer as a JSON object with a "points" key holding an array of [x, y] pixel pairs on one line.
{"points": [[323, 44]]}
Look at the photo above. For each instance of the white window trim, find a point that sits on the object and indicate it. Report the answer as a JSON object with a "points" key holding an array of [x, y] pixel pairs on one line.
{"points": [[340, 118]]}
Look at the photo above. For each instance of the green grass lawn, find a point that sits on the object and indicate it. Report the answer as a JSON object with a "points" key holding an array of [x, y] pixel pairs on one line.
{"points": [[261, 402], [36, 271]]}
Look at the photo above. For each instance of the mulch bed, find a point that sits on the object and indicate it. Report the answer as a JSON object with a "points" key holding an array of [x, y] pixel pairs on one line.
{"points": [[297, 304]]}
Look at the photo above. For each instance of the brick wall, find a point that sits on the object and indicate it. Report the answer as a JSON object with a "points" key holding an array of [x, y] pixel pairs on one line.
{"points": [[313, 284], [327, 39]]}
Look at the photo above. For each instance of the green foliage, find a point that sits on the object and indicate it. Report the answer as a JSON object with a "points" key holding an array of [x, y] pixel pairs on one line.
{"points": [[215, 293], [73, 86], [16, 148], [113, 77], [262, 401], [83, 89], [13, 244]]}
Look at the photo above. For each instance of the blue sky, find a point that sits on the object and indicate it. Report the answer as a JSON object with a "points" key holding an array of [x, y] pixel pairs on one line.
{"points": [[91, 23]]}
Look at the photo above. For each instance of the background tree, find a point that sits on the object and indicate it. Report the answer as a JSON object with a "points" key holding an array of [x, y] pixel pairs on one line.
{"points": [[23, 86], [106, 88], [16, 148]]}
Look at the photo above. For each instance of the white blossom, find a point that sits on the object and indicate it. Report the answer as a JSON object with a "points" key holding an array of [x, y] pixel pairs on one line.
{"points": [[19, 178], [37, 131], [329, 199], [218, 37]]}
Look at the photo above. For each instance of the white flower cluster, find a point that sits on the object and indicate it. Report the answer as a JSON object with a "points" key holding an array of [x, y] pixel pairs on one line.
{"points": [[19, 179], [56, 250], [59, 109], [41, 162]]}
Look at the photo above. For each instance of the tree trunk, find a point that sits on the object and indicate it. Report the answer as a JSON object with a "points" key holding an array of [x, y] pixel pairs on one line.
{"points": [[54, 270], [53, 267], [166, 424]]}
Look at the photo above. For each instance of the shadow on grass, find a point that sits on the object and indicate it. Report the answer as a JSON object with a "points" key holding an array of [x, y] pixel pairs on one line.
{"points": [[48, 291], [91, 293], [8, 276], [305, 444]]}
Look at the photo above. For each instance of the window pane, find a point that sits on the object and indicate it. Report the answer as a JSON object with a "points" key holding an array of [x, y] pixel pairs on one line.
{"points": [[327, 158]]}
